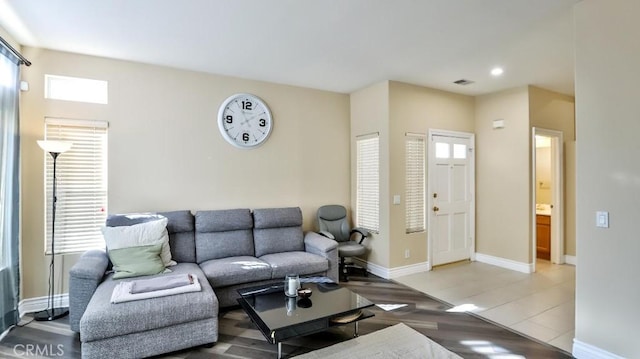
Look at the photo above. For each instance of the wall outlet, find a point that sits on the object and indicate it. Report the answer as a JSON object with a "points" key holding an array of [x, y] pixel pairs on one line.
{"points": [[407, 253]]}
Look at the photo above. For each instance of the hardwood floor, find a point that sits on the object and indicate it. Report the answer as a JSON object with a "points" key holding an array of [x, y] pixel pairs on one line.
{"points": [[465, 334]]}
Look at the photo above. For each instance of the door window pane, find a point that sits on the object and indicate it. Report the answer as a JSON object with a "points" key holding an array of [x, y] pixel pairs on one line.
{"points": [[459, 151], [442, 150]]}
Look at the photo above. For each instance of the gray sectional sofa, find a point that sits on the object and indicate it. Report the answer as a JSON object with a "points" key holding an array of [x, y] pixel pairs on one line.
{"points": [[226, 249]]}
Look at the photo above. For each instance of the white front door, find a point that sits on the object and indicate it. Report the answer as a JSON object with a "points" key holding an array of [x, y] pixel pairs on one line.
{"points": [[451, 182]]}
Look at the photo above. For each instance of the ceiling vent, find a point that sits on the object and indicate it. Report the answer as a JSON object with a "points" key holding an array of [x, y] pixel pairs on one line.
{"points": [[463, 82]]}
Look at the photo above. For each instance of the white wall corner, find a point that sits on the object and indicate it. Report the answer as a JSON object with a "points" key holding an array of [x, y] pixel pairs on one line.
{"points": [[583, 350], [37, 304], [505, 263], [573, 260]]}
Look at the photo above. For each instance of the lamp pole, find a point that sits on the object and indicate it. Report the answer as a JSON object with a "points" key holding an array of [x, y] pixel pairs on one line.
{"points": [[55, 148]]}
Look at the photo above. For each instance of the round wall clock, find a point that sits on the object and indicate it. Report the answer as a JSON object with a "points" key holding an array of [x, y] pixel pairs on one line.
{"points": [[245, 120]]}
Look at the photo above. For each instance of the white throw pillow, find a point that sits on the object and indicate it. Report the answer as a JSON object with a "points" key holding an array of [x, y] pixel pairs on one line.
{"points": [[141, 234]]}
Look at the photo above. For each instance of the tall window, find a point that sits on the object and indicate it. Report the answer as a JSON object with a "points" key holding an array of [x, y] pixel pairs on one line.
{"points": [[81, 208], [368, 182], [415, 177]]}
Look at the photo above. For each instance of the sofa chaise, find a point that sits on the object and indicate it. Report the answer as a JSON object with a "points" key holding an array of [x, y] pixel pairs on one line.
{"points": [[226, 249]]}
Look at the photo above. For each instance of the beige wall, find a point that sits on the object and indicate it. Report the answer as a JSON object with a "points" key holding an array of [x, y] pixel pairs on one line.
{"points": [[5, 35], [166, 152], [503, 180], [544, 181], [608, 173], [370, 114], [163, 138], [417, 109], [393, 109], [554, 111]]}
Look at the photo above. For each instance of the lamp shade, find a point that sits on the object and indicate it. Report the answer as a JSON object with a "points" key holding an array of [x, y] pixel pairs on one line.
{"points": [[55, 146]]}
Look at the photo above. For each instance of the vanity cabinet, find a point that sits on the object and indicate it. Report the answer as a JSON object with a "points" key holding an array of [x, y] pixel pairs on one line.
{"points": [[543, 236]]}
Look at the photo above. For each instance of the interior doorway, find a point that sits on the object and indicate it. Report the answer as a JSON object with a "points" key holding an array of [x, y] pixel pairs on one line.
{"points": [[451, 205], [547, 193]]}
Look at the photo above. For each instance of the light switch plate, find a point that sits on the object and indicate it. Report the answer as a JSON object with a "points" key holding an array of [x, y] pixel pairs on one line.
{"points": [[602, 219], [396, 199]]}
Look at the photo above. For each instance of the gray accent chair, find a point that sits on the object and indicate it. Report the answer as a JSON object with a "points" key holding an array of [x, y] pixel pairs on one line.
{"points": [[227, 250], [333, 223]]}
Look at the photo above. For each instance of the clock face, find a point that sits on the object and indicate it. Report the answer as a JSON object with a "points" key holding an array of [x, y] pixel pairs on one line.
{"points": [[244, 120]]}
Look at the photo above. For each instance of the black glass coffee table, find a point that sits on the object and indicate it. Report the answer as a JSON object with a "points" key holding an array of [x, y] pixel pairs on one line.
{"points": [[280, 317]]}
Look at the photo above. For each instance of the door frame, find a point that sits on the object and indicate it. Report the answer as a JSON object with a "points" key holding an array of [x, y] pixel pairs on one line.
{"points": [[557, 195], [472, 189]]}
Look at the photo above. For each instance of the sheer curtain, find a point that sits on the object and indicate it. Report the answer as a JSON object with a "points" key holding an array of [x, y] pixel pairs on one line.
{"points": [[9, 188]]}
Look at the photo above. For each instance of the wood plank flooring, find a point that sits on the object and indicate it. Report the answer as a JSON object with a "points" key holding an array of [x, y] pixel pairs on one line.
{"points": [[467, 335]]}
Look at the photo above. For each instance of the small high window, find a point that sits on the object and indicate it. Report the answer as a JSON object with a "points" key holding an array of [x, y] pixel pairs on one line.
{"points": [[76, 89]]}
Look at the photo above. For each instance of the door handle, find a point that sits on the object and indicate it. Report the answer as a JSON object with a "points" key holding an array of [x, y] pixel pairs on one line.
{"points": [[435, 209]]}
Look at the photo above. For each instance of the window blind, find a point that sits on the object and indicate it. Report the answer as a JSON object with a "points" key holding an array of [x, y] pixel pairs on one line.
{"points": [[415, 183], [368, 183], [81, 208]]}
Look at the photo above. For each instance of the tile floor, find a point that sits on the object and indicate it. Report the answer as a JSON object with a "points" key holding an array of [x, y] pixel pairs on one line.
{"points": [[540, 305]]}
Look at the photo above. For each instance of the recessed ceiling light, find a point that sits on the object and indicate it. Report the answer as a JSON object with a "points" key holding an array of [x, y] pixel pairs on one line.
{"points": [[497, 71]]}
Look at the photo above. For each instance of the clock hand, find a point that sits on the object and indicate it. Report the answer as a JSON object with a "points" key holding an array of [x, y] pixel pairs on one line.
{"points": [[243, 112]]}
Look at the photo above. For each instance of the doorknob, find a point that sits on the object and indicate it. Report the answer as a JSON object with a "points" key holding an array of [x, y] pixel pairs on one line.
{"points": [[435, 209]]}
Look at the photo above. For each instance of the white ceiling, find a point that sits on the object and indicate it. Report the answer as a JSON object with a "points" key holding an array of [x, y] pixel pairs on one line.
{"points": [[335, 45]]}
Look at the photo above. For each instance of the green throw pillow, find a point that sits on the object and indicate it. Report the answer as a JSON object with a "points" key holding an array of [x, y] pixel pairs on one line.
{"points": [[136, 261]]}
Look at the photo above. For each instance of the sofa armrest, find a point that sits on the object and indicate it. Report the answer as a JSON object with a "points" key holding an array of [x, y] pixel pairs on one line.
{"points": [[84, 278], [323, 246]]}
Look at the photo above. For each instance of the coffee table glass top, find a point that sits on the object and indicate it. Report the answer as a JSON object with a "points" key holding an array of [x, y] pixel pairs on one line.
{"points": [[328, 301]]}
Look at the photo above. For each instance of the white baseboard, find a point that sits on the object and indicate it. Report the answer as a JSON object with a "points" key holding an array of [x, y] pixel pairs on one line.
{"points": [[505, 263], [583, 350], [373, 268], [37, 304], [409, 269], [390, 273], [571, 260]]}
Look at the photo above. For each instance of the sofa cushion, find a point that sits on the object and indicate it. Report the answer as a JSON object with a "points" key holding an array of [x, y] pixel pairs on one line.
{"points": [[278, 240], [235, 270], [223, 220], [136, 261], [277, 217], [140, 234], [181, 228], [223, 233], [277, 230], [301, 263], [105, 320]]}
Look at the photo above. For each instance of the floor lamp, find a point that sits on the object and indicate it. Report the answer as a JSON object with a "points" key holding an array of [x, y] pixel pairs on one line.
{"points": [[55, 148]]}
